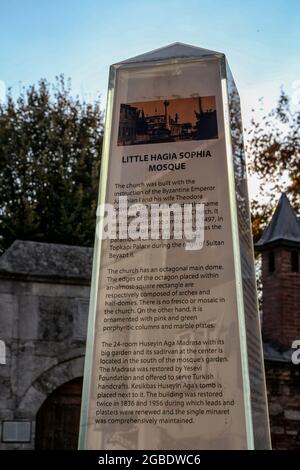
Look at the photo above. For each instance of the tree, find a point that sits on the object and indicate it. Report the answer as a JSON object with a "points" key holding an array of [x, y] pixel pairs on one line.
{"points": [[274, 149], [50, 147]]}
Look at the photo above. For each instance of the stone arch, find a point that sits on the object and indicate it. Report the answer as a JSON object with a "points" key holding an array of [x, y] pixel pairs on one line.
{"points": [[46, 383]]}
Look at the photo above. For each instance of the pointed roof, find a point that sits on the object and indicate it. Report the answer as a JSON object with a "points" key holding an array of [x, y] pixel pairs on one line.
{"points": [[284, 227], [28, 259], [177, 50]]}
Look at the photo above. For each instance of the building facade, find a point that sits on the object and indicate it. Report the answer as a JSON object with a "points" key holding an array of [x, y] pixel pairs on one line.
{"points": [[44, 296], [280, 252]]}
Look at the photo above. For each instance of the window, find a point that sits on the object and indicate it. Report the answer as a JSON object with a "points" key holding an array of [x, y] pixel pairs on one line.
{"points": [[271, 262], [295, 261]]}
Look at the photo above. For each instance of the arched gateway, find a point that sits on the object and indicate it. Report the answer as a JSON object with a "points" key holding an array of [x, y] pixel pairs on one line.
{"points": [[57, 421]]}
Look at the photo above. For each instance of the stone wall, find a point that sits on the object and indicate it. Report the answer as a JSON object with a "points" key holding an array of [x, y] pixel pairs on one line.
{"points": [[43, 321]]}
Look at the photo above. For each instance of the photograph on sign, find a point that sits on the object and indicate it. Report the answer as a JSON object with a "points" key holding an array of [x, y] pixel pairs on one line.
{"points": [[168, 120]]}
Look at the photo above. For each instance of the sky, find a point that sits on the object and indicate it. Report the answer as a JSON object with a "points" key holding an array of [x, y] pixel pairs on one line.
{"points": [[81, 38]]}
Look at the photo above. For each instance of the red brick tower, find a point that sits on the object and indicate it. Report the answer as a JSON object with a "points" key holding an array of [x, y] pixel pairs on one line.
{"points": [[280, 248]]}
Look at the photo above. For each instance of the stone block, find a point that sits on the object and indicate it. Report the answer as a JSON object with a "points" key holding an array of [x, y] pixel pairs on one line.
{"points": [[293, 415], [8, 306]]}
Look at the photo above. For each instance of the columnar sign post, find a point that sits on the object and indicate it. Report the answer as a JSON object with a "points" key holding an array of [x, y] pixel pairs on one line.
{"points": [[174, 354]]}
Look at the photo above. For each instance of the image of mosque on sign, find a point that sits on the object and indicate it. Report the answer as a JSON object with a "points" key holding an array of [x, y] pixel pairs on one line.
{"points": [[152, 122]]}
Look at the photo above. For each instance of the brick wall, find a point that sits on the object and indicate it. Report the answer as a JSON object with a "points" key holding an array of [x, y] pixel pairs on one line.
{"points": [[283, 385], [281, 299]]}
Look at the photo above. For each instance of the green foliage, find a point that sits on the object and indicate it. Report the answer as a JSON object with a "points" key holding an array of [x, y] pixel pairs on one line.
{"points": [[50, 148]]}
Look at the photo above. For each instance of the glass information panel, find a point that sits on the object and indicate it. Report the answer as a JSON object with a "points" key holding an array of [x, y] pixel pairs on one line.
{"points": [[167, 364]]}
